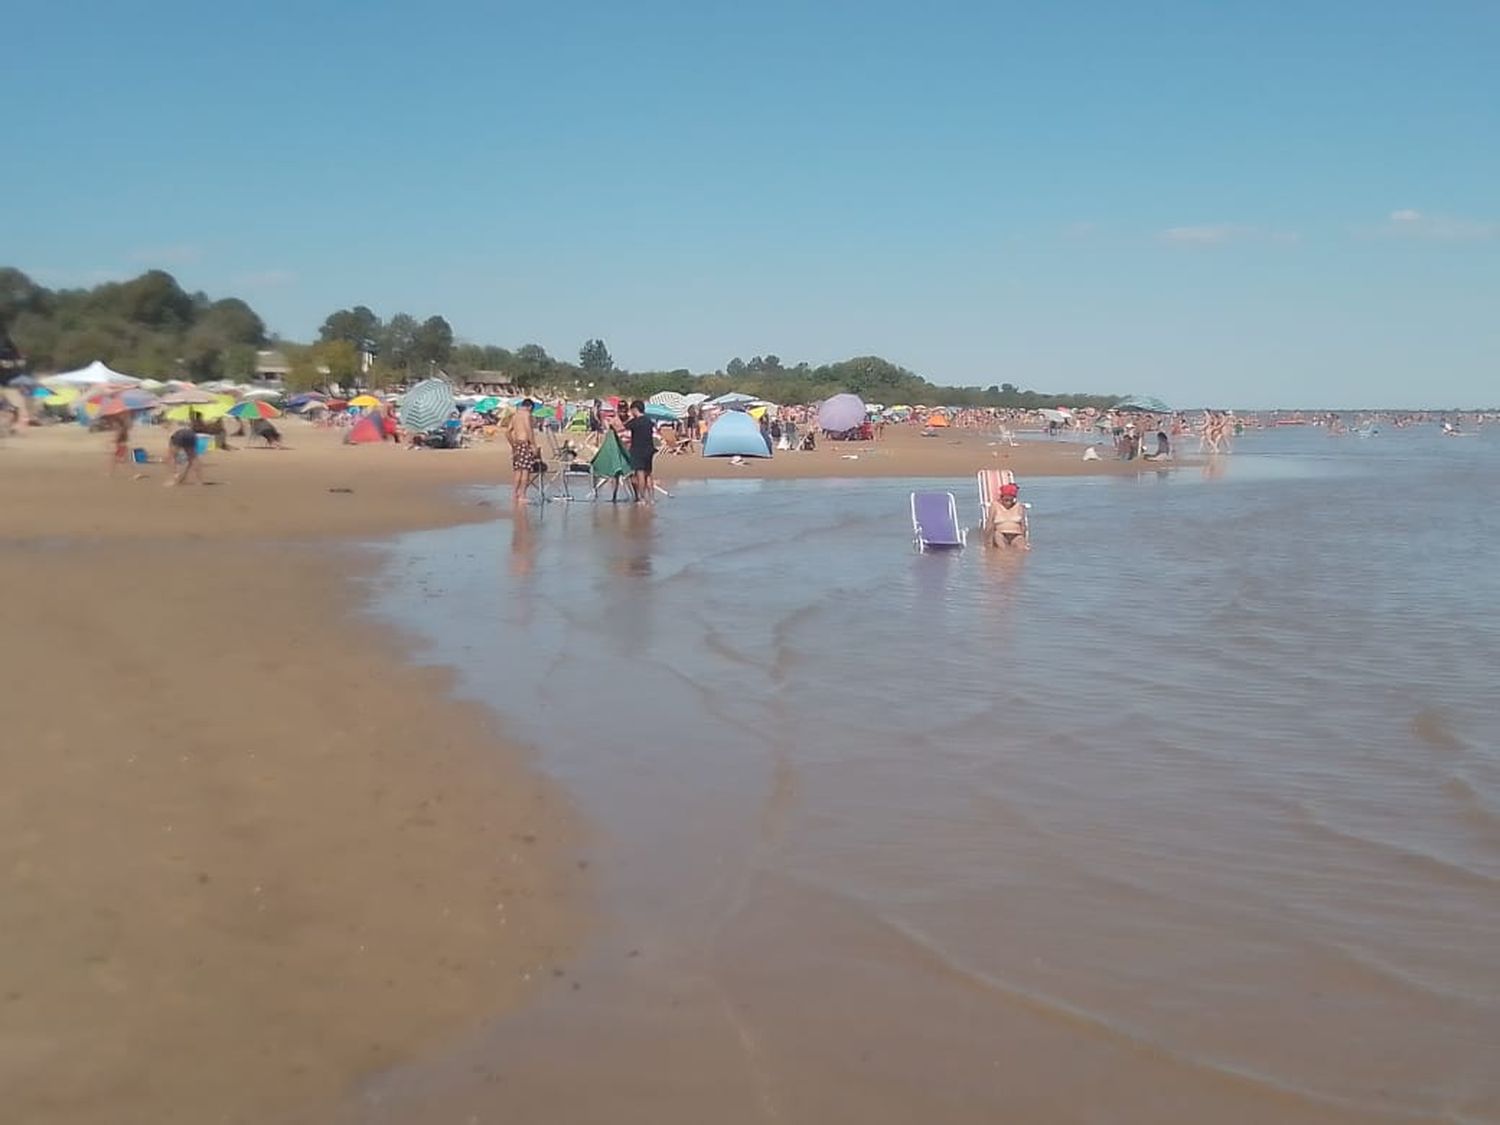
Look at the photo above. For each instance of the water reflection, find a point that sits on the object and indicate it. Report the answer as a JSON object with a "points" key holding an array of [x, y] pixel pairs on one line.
{"points": [[1164, 754]]}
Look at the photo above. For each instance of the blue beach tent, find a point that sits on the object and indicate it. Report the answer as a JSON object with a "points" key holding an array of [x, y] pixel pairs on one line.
{"points": [[735, 434]]}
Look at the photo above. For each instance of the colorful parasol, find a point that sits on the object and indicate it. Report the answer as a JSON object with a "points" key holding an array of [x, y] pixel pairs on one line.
{"points": [[253, 408]]}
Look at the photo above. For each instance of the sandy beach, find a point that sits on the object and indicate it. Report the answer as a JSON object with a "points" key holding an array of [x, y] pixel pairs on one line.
{"points": [[253, 856]]}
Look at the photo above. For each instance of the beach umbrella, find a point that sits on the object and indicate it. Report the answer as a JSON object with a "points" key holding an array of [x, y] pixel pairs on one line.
{"points": [[364, 400], [733, 398], [676, 403], [840, 413], [253, 408], [95, 374], [121, 402], [304, 398], [427, 405], [189, 397], [488, 404], [697, 398], [1144, 404], [207, 411], [937, 421], [660, 411], [263, 392]]}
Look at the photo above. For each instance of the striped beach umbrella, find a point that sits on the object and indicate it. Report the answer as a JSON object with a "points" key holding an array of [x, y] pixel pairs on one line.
{"points": [[676, 403], [253, 408], [427, 405]]}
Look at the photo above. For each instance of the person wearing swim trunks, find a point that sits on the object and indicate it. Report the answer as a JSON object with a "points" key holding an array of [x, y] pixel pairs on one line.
{"points": [[525, 460], [642, 432], [1007, 520], [182, 449]]}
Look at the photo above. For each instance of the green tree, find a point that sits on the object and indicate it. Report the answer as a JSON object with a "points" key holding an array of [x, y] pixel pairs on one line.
{"points": [[594, 358], [354, 325], [431, 344], [154, 299], [399, 341], [239, 362], [339, 359], [19, 295]]}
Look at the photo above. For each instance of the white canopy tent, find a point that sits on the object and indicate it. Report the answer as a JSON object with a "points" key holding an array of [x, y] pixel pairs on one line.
{"points": [[95, 374]]}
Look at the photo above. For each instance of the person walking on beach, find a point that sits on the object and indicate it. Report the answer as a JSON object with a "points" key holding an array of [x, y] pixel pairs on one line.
{"points": [[524, 458], [1007, 520], [182, 450], [642, 431], [120, 423]]}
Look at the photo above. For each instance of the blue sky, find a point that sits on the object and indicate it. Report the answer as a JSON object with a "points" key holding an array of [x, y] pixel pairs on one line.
{"points": [[1246, 204]]}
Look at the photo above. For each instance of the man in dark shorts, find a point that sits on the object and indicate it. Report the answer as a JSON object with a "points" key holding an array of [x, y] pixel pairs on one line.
{"points": [[182, 449], [642, 432]]}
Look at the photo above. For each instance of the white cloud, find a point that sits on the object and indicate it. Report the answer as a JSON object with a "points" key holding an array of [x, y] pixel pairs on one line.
{"points": [[1200, 236], [1218, 234], [266, 279], [78, 279], [1408, 223], [176, 254]]}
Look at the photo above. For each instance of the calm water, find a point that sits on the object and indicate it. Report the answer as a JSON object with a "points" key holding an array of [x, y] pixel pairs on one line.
{"points": [[1192, 814]]}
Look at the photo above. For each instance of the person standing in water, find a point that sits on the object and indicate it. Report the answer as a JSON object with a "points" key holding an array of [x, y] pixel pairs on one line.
{"points": [[1007, 520], [524, 458], [642, 432]]}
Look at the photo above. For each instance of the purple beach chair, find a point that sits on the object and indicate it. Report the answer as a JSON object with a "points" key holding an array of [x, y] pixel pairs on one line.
{"points": [[934, 521]]}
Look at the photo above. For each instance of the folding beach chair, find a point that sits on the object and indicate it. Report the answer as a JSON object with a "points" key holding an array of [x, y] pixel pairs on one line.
{"points": [[934, 522], [569, 463]]}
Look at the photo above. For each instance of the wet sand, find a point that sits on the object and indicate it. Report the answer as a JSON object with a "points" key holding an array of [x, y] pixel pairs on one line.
{"points": [[252, 856]]}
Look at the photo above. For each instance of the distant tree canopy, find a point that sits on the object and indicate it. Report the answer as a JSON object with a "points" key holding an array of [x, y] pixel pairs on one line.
{"points": [[404, 347], [594, 358], [147, 326], [151, 326]]}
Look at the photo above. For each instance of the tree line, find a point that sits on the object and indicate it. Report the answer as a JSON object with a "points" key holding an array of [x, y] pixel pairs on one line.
{"points": [[150, 326]]}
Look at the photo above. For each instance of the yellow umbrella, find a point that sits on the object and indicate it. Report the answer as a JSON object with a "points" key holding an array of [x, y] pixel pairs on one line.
{"points": [[365, 400], [59, 395], [209, 411], [757, 412]]}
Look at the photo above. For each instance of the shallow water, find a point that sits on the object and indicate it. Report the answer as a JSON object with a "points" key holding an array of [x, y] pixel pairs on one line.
{"points": [[1191, 814]]}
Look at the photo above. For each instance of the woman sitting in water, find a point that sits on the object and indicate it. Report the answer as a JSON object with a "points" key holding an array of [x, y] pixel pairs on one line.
{"points": [[1007, 520]]}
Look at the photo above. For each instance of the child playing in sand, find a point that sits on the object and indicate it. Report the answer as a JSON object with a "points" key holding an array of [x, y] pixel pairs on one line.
{"points": [[182, 448]]}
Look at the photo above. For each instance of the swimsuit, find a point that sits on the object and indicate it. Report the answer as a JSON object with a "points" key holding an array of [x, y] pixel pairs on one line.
{"points": [[524, 457]]}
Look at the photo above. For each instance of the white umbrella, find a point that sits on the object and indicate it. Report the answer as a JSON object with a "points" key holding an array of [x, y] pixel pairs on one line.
{"points": [[262, 392], [95, 374], [190, 396]]}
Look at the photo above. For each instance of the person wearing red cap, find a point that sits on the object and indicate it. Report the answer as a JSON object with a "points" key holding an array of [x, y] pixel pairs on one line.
{"points": [[1007, 520]]}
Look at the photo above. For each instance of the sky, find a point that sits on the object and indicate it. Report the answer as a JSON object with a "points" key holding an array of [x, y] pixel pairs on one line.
{"points": [[1244, 204]]}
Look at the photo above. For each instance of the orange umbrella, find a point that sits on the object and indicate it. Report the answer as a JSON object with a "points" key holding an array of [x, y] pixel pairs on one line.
{"points": [[937, 421]]}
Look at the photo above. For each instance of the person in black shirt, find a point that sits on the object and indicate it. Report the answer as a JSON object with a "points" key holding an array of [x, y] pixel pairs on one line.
{"points": [[642, 432]]}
